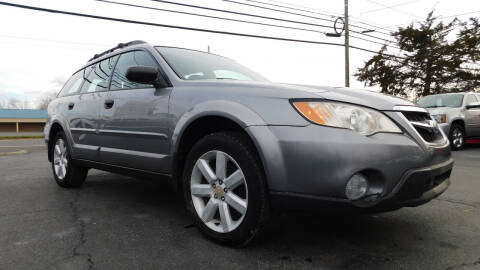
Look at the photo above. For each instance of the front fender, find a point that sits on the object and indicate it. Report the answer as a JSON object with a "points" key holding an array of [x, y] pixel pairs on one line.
{"points": [[239, 113]]}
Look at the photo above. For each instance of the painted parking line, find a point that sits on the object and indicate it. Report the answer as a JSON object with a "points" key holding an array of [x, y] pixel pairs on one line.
{"points": [[21, 146], [20, 152]]}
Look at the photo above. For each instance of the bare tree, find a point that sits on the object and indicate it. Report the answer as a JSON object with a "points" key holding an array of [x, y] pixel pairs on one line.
{"points": [[45, 100], [15, 103]]}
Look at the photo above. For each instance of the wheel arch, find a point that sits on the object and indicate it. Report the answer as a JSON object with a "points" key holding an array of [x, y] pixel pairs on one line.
{"points": [[198, 128], [458, 121], [54, 129]]}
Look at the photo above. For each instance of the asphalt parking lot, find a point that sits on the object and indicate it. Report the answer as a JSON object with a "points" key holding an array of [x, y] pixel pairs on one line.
{"points": [[117, 222]]}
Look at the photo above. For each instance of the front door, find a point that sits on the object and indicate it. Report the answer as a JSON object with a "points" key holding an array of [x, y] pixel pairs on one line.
{"points": [[472, 117], [134, 128]]}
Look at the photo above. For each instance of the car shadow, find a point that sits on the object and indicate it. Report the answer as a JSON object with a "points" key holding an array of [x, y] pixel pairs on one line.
{"points": [[348, 240]]}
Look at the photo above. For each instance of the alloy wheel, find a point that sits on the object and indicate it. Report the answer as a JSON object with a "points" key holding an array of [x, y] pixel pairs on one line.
{"points": [[219, 191], [457, 138], [60, 161]]}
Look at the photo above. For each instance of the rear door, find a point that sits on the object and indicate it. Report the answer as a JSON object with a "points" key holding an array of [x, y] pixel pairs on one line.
{"points": [[135, 125], [472, 117], [85, 110]]}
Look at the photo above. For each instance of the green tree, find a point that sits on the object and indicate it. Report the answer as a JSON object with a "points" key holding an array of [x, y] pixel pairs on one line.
{"points": [[429, 61]]}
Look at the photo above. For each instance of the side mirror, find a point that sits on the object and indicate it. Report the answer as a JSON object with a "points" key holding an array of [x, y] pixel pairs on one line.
{"points": [[474, 105], [146, 75]]}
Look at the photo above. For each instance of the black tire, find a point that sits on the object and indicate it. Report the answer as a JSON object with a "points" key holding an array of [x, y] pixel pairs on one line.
{"points": [[258, 212], [75, 175], [457, 143]]}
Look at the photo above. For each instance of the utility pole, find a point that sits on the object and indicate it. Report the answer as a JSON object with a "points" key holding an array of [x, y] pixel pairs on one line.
{"points": [[347, 56]]}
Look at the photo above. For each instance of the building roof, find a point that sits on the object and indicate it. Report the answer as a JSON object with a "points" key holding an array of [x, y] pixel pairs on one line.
{"points": [[23, 114]]}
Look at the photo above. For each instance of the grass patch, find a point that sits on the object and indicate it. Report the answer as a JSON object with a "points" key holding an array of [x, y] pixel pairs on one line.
{"points": [[20, 137]]}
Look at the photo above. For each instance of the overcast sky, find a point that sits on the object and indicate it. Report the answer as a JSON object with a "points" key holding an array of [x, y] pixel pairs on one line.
{"points": [[39, 51]]}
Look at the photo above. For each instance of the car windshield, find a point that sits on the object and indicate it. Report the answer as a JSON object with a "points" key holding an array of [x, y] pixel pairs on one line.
{"points": [[450, 100], [196, 65]]}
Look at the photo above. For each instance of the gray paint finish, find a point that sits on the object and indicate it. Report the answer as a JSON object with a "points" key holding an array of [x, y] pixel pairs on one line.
{"points": [[143, 128]]}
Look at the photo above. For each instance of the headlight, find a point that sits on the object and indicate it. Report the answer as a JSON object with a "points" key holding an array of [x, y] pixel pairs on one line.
{"points": [[440, 118], [334, 114]]}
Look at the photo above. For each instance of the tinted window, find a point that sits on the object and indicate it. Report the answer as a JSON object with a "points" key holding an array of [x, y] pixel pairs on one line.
{"points": [[135, 58], [195, 65], [471, 99], [73, 85], [435, 101], [97, 76]]}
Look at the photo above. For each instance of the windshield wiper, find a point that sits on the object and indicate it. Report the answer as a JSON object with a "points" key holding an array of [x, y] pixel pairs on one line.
{"points": [[434, 106], [225, 79]]}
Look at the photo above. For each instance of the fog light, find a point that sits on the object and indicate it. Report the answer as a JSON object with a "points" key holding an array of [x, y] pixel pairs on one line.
{"points": [[357, 187]]}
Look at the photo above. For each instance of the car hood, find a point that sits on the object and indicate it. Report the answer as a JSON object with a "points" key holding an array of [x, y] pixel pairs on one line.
{"points": [[291, 91]]}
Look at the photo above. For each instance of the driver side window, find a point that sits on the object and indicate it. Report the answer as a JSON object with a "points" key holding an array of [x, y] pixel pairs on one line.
{"points": [[135, 58], [471, 99]]}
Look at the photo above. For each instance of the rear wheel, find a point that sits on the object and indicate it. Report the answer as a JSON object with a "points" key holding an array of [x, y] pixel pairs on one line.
{"points": [[457, 137], [225, 190], [66, 173]]}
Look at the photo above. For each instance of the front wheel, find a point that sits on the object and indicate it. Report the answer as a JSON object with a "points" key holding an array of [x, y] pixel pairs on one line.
{"points": [[225, 190], [66, 173], [457, 137]]}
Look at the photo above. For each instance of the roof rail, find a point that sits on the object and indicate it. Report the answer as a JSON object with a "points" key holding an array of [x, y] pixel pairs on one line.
{"points": [[119, 46]]}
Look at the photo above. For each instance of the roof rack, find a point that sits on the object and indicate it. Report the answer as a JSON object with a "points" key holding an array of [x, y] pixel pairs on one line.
{"points": [[119, 46]]}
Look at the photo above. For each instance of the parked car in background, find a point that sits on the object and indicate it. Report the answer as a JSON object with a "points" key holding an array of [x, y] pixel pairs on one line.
{"points": [[457, 114], [236, 145]]}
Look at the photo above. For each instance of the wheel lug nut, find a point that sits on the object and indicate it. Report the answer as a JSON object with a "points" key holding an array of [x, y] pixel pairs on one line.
{"points": [[213, 185], [215, 196], [225, 190], [220, 182], [223, 198]]}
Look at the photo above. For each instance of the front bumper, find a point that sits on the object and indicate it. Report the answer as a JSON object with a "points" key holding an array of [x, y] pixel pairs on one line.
{"points": [[309, 167], [416, 188]]}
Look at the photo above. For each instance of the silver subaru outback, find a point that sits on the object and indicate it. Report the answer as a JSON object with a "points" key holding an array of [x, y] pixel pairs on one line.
{"points": [[238, 146], [458, 115]]}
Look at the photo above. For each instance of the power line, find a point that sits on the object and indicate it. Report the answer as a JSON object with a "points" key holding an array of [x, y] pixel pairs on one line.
{"points": [[238, 13], [175, 26], [229, 19], [392, 8], [335, 15], [461, 14], [440, 17], [279, 10], [240, 3], [209, 16], [305, 7], [312, 12], [288, 12], [388, 7]]}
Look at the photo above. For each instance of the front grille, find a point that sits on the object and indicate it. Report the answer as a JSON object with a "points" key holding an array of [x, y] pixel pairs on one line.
{"points": [[417, 116], [418, 184], [425, 126]]}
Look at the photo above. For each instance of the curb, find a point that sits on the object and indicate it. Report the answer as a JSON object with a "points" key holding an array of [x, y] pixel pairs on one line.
{"points": [[20, 152]]}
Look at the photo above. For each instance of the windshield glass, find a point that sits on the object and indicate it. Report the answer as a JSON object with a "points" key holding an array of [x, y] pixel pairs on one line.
{"points": [[435, 101], [195, 65]]}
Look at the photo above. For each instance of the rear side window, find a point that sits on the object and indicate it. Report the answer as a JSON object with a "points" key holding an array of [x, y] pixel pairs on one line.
{"points": [[72, 86], [97, 76], [135, 58], [471, 99]]}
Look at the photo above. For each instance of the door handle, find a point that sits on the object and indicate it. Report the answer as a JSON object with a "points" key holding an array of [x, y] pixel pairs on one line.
{"points": [[70, 105], [109, 103]]}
